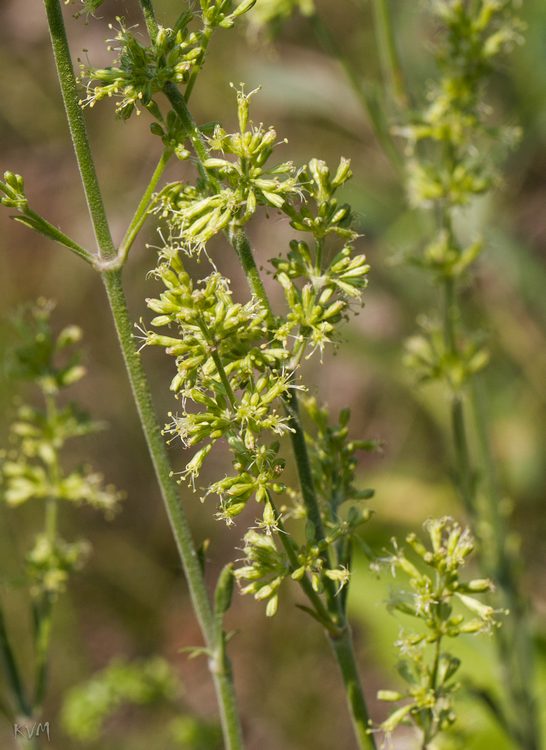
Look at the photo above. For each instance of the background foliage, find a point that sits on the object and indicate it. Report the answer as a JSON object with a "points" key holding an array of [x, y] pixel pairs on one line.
{"points": [[126, 602]]}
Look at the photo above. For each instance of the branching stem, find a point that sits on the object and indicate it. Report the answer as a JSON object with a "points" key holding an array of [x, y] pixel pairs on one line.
{"points": [[139, 384]]}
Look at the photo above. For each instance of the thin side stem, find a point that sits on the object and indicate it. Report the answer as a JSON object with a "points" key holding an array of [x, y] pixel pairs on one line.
{"points": [[180, 106], [289, 547], [139, 384], [242, 247], [45, 227], [303, 463], [78, 131], [141, 212]]}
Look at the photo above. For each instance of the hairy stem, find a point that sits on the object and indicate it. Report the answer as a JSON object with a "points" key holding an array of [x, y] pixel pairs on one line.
{"points": [[44, 227], [171, 498], [139, 384]]}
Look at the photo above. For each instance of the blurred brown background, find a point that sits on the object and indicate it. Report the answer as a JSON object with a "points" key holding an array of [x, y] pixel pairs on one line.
{"points": [[131, 597]]}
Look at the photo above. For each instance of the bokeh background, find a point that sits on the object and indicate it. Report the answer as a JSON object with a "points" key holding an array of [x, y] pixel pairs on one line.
{"points": [[131, 598]]}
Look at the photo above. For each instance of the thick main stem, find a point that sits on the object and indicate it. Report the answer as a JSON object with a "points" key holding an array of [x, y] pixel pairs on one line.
{"points": [[220, 667], [345, 656]]}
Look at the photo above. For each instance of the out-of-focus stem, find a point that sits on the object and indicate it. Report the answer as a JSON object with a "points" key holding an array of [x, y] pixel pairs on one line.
{"points": [[388, 52], [367, 95]]}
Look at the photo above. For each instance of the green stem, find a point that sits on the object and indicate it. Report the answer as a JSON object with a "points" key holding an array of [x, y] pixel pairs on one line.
{"points": [[465, 472], [76, 124], [12, 670], [462, 456], [344, 652], [290, 548], [141, 212], [242, 246], [44, 227], [224, 378], [513, 639], [42, 640], [180, 106], [368, 96], [139, 384], [388, 53], [149, 17], [303, 463], [170, 493], [43, 609], [341, 641]]}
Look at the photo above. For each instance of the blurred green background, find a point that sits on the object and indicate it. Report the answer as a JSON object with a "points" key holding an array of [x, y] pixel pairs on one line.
{"points": [[131, 598]]}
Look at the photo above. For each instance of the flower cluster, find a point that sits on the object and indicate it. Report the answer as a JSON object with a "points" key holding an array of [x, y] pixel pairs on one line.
{"points": [[237, 363], [234, 361], [240, 184], [227, 368], [88, 7], [265, 568], [271, 12], [12, 189], [455, 120], [319, 283], [323, 561], [32, 468], [174, 55], [428, 355], [140, 72], [449, 163], [447, 607]]}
